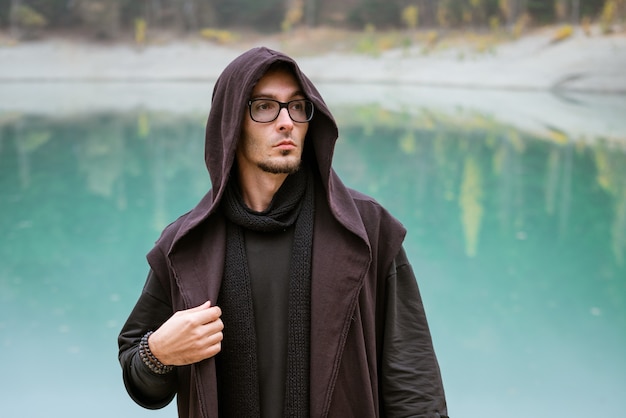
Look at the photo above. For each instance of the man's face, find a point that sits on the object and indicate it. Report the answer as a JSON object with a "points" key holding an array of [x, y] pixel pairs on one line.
{"points": [[273, 147]]}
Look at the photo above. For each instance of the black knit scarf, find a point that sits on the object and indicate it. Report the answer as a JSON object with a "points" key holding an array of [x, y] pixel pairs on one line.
{"points": [[238, 377]]}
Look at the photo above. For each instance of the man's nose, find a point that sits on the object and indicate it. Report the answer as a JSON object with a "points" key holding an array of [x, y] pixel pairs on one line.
{"points": [[283, 119]]}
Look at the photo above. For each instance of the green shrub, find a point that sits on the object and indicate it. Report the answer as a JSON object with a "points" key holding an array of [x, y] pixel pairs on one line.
{"points": [[27, 18]]}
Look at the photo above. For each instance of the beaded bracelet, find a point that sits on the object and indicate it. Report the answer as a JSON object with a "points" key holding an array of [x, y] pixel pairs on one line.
{"points": [[149, 359]]}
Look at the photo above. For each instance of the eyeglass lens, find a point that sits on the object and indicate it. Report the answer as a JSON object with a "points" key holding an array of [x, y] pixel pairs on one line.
{"points": [[267, 110]]}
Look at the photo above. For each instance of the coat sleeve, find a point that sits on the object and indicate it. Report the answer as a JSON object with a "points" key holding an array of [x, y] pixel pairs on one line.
{"points": [[145, 387], [410, 377]]}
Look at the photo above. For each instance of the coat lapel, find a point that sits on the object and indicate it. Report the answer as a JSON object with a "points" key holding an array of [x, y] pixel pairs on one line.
{"points": [[198, 263], [198, 270], [340, 262]]}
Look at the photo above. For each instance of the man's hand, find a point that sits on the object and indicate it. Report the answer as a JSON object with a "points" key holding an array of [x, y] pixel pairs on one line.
{"points": [[188, 336]]}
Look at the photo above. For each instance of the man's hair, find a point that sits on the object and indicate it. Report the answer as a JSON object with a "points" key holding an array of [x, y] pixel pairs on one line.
{"points": [[281, 66]]}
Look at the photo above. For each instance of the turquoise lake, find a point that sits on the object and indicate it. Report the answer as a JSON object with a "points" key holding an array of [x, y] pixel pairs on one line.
{"points": [[515, 205]]}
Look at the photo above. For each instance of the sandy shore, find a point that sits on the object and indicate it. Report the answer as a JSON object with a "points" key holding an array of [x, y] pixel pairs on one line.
{"points": [[580, 63], [577, 85]]}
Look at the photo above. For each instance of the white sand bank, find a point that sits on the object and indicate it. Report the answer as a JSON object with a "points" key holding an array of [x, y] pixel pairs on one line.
{"points": [[585, 63], [577, 86]]}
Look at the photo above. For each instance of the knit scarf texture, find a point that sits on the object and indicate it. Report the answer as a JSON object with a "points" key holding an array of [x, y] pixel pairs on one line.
{"points": [[237, 362]]}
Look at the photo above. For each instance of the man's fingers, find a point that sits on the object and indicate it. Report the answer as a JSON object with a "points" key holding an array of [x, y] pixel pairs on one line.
{"points": [[214, 344], [209, 315], [202, 307], [204, 313]]}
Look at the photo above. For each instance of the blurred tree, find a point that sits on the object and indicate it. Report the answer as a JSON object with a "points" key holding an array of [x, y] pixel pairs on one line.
{"points": [[58, 13], [106, 18], [549, 11], [100, 17], [311, 10], [380, 13], [14, 7], [190, 15], [26, 23], [543, 12], [575, 11], [264, 15], [509, 10], [567, 11], [410, 16], [332, 12], [293, 15], [478, 12]]}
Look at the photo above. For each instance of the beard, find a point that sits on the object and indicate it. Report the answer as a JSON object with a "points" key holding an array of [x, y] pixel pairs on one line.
{"points": [[280, 167]]}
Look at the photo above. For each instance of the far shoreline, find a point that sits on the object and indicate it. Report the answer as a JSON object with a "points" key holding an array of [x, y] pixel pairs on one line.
{"points": [[583, 62], [577, 86]]}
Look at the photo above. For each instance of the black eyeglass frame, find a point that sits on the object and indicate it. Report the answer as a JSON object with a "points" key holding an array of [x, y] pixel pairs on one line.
{"points": [[281, 106]]}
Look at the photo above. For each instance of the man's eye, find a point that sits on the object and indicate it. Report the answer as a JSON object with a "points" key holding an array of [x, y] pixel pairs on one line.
{"points": [[264, 106], [297, 106]]}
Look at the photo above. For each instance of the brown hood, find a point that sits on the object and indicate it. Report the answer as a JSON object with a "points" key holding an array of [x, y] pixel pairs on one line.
{"points": [[230, 95]]}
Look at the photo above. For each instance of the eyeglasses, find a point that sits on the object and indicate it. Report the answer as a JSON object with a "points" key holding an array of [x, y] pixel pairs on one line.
{"points": [[267, 110]]}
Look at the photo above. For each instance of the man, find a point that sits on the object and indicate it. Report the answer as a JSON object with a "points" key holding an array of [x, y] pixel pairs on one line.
{"points": [[282, 293]]}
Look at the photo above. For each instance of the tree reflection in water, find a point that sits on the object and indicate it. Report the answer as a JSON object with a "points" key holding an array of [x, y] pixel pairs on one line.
{"points": [[518, 241]]}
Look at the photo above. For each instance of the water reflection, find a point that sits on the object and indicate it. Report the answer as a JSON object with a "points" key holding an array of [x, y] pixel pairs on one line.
{"points": [[496, 178], [517, 234]]}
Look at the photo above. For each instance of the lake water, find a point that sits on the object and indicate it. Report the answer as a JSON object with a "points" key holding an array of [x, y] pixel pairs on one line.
{"points": [[515, 205]]}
